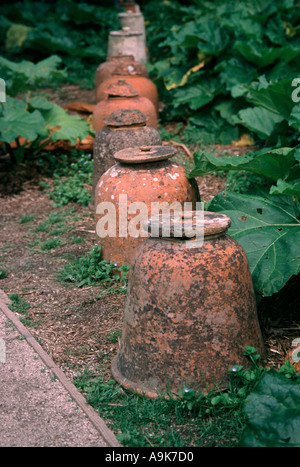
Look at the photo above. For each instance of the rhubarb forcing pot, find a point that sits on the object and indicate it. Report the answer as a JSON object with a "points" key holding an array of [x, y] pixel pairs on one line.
{"points": [[190, 310], [142, 181], [127, 63], [121, 95], [124, 128]]}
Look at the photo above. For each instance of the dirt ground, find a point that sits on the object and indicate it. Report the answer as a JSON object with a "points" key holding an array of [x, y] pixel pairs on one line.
{"points": [[80, 327]]}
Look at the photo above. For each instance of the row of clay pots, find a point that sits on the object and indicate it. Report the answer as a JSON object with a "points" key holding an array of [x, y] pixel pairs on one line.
{"points": [[123, 81], [190, 307]]}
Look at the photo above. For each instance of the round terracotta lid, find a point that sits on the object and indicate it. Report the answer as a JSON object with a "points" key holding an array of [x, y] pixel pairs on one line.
{"points": [[125, 117], [187, 224], [119, 56], [144, 154], [121, 89], [126, 31]]}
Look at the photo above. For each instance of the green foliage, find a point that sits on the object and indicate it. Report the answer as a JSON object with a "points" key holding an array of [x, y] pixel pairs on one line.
{"points": [[19, 305], [91, 269], [214, 418], [3, 273], [266, 217], [268, 228], [25, 75], [38, 121], [273, 413], [232, 62], [76, 32], [70, 185]]}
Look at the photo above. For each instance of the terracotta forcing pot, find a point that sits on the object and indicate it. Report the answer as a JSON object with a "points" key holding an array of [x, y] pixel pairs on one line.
{"points": [[190, 311], [135, 21], [124, 128], [144, 86], [114, 62], [127, 42], [126, 191], [121, 95]]}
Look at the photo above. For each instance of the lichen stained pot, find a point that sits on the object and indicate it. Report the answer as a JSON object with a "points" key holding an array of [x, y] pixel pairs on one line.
{"points": [[124, 128], [121, 95], [114, 62], [127, 42], [190, 311], [144, 86], [135, 21], [144, 175]]}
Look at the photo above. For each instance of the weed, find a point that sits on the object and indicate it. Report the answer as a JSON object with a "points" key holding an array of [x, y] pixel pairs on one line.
{"points": [[27, 218], [91, 269], [114, 336], [243, 182], [19, 305], [213, 418], [50, 244], [3, 273], [72, 184]]}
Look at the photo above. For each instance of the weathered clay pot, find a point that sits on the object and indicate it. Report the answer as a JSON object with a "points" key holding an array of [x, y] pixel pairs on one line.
{"points": [[130, 5], [144, 86], [127, 42], [134, 21], [113, 62], [190, 312], [142, 175], [121, 95], [124, 128]]}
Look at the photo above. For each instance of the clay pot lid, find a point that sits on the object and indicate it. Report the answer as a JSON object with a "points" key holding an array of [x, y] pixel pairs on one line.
{"points": [[120, 56], [129, 13], [126, 68], [126, 31], [144, 154], [121, 89], [125, 117], [188, 224]]}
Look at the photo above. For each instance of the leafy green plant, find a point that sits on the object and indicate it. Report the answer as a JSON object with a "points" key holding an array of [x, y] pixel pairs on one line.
{"points": [[3, 273], [80, 39], [233, 61], [26, 218], [50, 244], [27, 125], [273, 413], [25, 75], [214, 418], [265, 222], [91, 269], [73, 185], [21, 306]]}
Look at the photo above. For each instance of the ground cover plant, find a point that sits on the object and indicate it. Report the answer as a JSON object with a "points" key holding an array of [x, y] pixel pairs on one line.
{"points": [[227, 78]]}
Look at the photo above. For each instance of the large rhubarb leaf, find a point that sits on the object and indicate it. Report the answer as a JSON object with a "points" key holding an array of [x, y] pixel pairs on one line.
{"points": [[268, 229], [16, 121], [273, 413], [59, 123], [274, 163]]}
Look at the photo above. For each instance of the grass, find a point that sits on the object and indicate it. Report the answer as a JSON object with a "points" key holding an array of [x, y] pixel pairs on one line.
{"points": [[3, 273], [215, 419], [91, 269], [20, 306]]}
